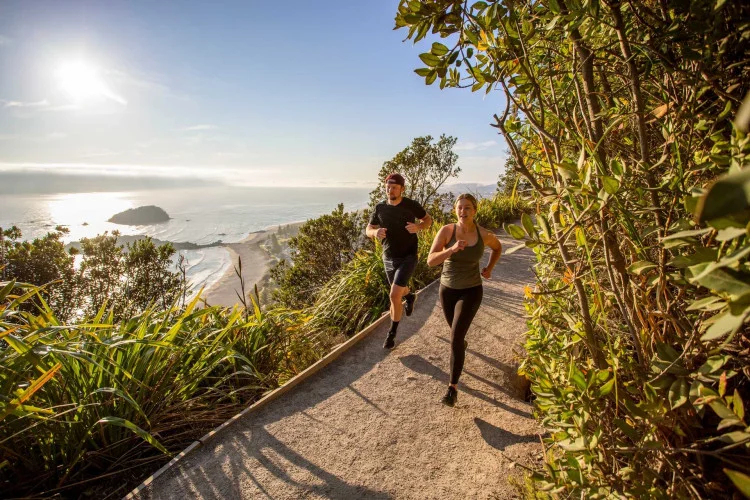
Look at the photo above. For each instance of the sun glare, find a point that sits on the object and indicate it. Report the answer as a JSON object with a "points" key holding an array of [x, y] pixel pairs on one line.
{"points": [[81, 82]]}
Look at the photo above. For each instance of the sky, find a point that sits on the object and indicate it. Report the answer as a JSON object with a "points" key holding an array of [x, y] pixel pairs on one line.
{"points": [[249, 92]]}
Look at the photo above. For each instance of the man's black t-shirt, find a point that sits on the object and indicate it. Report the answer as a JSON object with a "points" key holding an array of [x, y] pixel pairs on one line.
{"points": [[398, 242]]}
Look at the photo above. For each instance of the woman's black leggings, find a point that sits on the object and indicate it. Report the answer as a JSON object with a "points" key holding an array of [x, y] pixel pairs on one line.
{"points": [[459, 307]]}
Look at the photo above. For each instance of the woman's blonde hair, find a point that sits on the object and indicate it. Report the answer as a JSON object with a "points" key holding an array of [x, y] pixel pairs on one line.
{"points": [[466, 196]]}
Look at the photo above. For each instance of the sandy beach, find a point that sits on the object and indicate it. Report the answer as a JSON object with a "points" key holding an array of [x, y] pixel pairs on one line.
{"points": [[256, 265]]}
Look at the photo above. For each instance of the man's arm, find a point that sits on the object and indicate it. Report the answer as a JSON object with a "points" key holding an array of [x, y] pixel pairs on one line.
{"points": [[374, 231], [424, 223]]}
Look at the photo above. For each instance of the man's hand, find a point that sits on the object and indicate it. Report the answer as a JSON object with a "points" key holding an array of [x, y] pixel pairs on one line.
{"points": [[486, 272], [381, 233], [413, 227], [458, 246]]}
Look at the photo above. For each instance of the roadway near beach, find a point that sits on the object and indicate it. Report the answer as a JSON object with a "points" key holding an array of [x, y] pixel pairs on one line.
{"points": [[370, 424]]}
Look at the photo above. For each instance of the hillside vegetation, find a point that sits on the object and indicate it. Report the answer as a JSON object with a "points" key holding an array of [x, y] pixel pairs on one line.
{"points": [[619, 115]]}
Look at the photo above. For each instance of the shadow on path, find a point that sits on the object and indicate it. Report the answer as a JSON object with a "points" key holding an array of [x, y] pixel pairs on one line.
{"points": [[420, 365], [499, 438], [274, 457]]}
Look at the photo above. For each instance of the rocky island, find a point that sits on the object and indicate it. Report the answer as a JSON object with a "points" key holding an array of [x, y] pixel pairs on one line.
{"points": [[140, 216]]}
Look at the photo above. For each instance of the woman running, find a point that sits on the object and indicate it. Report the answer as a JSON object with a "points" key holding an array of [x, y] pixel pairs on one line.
{"points": [[459, 247]]}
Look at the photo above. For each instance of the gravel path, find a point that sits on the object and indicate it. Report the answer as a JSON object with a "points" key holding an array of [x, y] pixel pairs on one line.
{"points": [[370, 425]]}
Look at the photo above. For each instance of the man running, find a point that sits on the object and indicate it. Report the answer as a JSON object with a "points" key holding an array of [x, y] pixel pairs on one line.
{"points": [[393, 222]]}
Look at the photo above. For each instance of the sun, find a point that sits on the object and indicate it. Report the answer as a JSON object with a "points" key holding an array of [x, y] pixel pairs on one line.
{"points": [[81, 82]]}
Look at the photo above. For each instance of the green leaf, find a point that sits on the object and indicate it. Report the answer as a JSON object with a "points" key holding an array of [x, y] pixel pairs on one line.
{"points": [[735, 437], [607, 388], [713, 364], [121, 422], [730, 259], [577, 377], [515, 231], [641, 266], [741, 481], [718, 406], [738, 406], [724, 280], [729, 195], [610, 184], [678, 393], [422, 71], [687, 234], [429, 59], [439, 49], [667, 352], [731, 233], [725, 323], [430, 78], [528, 225], [544, 225], [700, 304]]}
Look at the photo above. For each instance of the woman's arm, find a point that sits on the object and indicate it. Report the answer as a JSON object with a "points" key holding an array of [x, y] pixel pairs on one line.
{"points": [[491, 241], [438, 252]]}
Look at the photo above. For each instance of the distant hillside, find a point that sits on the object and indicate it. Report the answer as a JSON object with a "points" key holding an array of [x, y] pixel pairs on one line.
{"points": [[140, 216], [483, 190]]}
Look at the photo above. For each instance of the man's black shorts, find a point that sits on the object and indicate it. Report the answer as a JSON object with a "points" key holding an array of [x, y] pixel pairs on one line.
{"points": [[399, 270]]}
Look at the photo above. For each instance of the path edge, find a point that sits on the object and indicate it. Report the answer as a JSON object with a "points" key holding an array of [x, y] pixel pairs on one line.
{"points": [[271, 396]]}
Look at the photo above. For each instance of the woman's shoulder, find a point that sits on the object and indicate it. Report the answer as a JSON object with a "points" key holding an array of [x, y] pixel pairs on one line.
{"points": [[486, 233], [446, 231]]}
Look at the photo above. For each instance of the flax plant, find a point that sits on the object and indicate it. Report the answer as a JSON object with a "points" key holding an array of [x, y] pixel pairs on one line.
{"points": [[86, 400]]}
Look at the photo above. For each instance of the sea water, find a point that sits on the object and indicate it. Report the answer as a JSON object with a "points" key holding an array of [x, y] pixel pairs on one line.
{"points": [[199, 215]]}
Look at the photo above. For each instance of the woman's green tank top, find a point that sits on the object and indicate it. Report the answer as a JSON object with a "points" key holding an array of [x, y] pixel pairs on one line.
{"points": [[461, 269]]}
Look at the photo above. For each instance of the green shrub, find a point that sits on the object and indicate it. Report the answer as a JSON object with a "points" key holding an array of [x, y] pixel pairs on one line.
{"points": [[80, 401], [619, 117]]}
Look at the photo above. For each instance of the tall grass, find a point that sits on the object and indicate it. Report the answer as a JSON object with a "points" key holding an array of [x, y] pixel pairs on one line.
{"points": [[498, 209], [81, 401]]}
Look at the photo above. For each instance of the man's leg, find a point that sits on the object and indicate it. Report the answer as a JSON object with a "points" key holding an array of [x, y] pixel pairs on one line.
{"points": [[396, 296], [403, 269]]}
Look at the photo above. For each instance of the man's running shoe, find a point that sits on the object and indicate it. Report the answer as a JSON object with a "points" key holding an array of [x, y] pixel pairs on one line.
{"points": [[450, 397], [390, 341], [411, 298]]}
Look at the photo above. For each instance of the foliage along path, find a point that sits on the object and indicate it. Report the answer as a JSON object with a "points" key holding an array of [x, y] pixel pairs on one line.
{"points": [[370, 425]]}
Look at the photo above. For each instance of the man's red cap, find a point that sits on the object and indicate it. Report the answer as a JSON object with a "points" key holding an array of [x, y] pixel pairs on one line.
{"points": [[395, 178]]}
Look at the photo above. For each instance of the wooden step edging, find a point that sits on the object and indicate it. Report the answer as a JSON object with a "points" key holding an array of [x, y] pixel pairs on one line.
{"points": [[271, 396]]}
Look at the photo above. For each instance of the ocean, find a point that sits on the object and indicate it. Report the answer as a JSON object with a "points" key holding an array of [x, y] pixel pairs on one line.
{"points": [[199, 215]]}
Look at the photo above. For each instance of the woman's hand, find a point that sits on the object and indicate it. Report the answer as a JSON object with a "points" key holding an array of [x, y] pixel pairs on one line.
{"points": [[487, 272], [458, 246]]}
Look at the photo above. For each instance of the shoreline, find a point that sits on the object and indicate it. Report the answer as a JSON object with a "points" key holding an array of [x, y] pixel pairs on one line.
{"points": [[256, 266]]}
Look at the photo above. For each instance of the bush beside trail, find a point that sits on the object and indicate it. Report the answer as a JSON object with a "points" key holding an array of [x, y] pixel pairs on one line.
{"points": [[627, 122]]}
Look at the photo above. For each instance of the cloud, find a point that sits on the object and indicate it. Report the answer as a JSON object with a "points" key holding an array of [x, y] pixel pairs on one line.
{"points": [[4, 40], [49, 137], [196, 128], [20, 104], [474, 146]]}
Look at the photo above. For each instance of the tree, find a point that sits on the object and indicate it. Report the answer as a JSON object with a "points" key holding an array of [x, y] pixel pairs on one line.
{"points": [[148, 278], [619, 116], [426, 166], [510, 181], [321, 248], [43, 261], [127, 279]]}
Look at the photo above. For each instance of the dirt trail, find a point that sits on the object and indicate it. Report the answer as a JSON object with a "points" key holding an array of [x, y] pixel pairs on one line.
{"points": [[370, 425]]}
